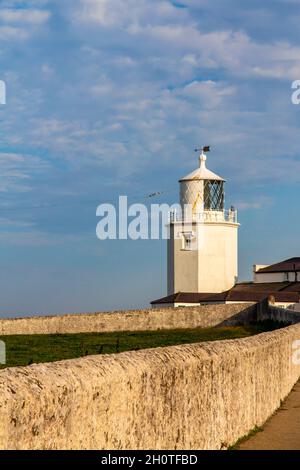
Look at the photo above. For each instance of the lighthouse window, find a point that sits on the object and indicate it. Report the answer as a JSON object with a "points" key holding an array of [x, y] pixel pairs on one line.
{"points": [[187, 241], [213, 195]]}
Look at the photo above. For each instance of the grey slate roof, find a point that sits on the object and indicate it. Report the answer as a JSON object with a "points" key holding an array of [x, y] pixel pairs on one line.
{"points": [[243, 292]]}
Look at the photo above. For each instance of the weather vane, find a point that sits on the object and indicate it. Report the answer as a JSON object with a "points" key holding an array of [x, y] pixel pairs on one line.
{"points": [[203, 149]]}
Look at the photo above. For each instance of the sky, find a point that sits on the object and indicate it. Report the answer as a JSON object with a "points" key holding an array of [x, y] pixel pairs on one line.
{"points": [[109, 98]]}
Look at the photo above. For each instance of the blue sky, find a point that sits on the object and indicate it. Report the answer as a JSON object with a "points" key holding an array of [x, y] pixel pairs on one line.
{"points": [[109, 97]]}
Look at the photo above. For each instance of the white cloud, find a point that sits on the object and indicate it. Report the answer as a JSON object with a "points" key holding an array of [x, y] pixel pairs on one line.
{"points": [[260, 203], [106, 13], [8, 33], [19, 24], [177, 37], [17, 169], [152, 81], [28, 16], [243, 205], [127, 14], [233, 50], [14, 235], [209, 92], [12, 223], [47, 71], [103, 88]]}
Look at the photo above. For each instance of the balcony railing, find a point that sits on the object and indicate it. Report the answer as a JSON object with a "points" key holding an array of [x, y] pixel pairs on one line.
{"points": [[229, 215]]}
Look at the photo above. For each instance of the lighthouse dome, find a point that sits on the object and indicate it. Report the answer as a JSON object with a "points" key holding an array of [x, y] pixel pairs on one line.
{"points": [[202, 189], [202, 173]]}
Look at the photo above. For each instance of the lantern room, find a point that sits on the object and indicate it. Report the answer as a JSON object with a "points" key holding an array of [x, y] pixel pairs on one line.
{"points": [[202, 190]]}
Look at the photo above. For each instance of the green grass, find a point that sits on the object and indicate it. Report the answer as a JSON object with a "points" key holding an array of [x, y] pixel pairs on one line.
{"points": [[22, 350], [252, 433]]}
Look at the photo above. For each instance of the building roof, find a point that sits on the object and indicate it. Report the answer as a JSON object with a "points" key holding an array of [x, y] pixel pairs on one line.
{"points": [[291, 264], [243, 292], [202, 173]]}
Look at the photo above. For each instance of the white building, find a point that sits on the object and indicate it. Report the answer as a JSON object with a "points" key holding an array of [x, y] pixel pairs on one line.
{"points": [[202, 248], [202, 264], [285, 271]]}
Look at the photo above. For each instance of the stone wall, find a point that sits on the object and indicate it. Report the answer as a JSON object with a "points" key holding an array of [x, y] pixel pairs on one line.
{"points": [[278, 314], [199, 396], [130, 320]]}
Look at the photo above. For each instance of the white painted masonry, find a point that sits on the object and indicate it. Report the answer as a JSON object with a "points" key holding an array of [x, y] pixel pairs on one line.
{"points": [[203, 254]]}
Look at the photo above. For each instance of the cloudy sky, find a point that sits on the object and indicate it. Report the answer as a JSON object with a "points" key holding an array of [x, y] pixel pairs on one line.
{"points": [[109, 97]]}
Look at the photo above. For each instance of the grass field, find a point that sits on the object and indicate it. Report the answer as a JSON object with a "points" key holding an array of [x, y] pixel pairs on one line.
{"points": [[22, 350]]}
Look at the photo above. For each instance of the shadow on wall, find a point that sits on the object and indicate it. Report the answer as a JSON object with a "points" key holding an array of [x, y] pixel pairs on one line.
{"points": [[260, 312]]}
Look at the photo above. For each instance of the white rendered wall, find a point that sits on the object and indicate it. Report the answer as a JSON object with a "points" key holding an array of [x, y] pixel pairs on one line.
{"points": [[211, 268], [182, 265], [288, 305], [191, 192], [296, 307], [217, 257], [274, 277]]}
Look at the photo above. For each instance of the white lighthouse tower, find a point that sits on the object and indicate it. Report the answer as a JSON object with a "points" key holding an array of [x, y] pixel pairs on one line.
{"points": [[203, 243]]}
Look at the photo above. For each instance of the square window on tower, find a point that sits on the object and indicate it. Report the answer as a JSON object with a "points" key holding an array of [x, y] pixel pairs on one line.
{"points": [[187, 238]]}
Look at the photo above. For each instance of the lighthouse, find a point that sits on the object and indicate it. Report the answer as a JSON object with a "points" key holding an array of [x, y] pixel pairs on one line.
{"points": [[202, 252], [202, 266]]}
